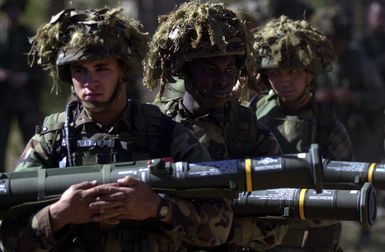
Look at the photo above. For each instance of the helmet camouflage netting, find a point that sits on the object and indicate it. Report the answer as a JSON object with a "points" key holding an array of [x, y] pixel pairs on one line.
{"points": [[196, 30], [74, 35], [283, 42]]}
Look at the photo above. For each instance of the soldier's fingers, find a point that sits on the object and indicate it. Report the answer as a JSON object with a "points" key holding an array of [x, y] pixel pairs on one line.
{"points": [[99, 205], [106, 189], [128, 181], [108, 215], [111, 197], [85, 185]]}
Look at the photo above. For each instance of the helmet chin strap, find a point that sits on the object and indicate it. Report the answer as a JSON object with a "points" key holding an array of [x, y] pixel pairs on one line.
{"points": [[98, 107]]}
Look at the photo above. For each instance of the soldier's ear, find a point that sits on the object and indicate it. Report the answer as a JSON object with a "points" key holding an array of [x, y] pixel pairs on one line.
{"points": [[310, 77], [73, 90]]}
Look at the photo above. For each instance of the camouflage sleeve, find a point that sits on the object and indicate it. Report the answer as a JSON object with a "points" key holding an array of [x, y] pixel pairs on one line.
{"points": [[339, 144], [185, 147], [202, 223], [257, 235], [28, 232], [266, 144], [39, 149], [34, 155]]}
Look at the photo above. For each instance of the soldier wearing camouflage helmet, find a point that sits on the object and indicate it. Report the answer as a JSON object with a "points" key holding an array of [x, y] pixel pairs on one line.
{"points": [[96, 51], [290, 54], [208, 49]]}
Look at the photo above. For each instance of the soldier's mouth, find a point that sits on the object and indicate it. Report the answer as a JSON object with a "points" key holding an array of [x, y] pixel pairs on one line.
{"points": [[92, 96]]}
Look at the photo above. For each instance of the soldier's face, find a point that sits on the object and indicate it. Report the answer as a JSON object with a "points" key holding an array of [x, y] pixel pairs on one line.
{"points": [[289, 83], [212, 79], [95, 81]]}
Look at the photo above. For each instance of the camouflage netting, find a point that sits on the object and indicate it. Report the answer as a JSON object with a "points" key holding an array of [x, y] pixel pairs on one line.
{"points": [[286, 43], [74, 35], [196, 30]]}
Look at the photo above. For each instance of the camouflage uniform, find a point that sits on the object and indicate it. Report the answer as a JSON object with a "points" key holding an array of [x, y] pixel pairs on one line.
{"points": [[284, 43], [295, 132], [141, 132], [229, 130], [227, 133]]}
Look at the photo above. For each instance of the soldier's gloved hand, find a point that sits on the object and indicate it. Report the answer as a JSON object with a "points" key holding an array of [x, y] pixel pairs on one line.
{"points": [[134, 200], [73, 205]]}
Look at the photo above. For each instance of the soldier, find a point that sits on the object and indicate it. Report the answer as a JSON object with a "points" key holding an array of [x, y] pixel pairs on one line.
{"points": [[18, 82], [96, 51], [290, 55], [208, 48]]}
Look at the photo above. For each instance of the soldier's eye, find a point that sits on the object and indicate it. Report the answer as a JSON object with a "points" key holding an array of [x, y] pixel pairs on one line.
{"points": [[102, 68], [210, 69], [272, 73], [77, 70]]}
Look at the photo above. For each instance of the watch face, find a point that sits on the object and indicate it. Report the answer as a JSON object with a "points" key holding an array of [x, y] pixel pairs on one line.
{"points": [[164, 208], [163, 212]]}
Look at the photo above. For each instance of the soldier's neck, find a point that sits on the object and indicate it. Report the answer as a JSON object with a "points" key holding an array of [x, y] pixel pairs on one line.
{"points": [[299, 103], [110, 115], [193, 106]]}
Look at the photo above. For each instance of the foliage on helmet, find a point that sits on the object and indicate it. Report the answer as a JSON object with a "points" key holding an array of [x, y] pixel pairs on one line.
{"points": [[74, 35], [196, 30], [283, 42]]}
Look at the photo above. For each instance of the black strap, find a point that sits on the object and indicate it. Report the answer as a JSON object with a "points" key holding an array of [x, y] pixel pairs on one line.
{"points": [[166, 129]]}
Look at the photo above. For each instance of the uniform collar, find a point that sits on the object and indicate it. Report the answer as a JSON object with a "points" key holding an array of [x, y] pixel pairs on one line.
{"points": [[125, 119], [217, 115], [281, 105]]}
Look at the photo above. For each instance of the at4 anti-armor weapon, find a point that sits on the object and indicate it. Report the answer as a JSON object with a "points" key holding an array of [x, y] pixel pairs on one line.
{"points": [[302, 204], [225, 178]]}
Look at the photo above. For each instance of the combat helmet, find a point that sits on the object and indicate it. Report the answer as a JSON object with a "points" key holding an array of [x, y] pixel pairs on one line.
{"points": [[75, 35], [196, 30], [283, 42]]}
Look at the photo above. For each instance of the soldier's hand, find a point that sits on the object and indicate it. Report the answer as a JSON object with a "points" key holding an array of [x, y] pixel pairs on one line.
{"points": [[73, 206], [135, 200]]}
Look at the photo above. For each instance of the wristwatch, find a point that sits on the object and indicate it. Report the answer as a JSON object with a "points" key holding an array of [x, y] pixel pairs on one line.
{"points": [[163, 209]]}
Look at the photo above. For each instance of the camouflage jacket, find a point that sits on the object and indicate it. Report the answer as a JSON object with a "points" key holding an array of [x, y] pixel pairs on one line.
{"points": [[233, 132], [315, 123], [197, 222], [228, 132]]}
